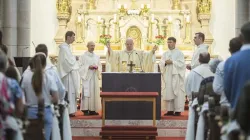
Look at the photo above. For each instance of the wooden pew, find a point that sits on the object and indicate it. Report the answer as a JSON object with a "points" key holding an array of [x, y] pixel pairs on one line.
{"points": [[213, 119]]}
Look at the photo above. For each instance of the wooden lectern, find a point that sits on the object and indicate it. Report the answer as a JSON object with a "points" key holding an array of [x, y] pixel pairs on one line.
{"points": [[129, 132]]}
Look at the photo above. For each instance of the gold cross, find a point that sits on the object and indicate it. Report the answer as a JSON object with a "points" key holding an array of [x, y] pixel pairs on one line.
{"points": [[131, 65]]}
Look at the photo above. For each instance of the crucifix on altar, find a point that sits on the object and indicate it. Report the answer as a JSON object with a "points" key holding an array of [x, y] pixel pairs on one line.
{"points": [[131, 65]]}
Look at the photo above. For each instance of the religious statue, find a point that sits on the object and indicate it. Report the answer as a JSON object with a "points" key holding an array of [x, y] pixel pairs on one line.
{"points": [[80, 25], [176, 5], [91, 4], [204, 6], [177, 28], [63, 6]]}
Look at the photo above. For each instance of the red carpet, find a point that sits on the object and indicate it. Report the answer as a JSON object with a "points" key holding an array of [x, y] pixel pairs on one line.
{"points": [[97, 138], [184, 116]]}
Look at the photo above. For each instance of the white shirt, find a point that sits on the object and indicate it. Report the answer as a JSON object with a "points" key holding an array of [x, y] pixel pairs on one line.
{"points": [[48, 86], [218, 86]]}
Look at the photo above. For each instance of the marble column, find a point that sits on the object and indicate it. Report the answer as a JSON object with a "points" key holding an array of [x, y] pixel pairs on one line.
{"points": [[23, 27], [1, 14], [10, 26], [241, 14]]}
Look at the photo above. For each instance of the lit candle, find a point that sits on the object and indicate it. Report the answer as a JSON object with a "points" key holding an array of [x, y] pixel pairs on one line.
{"points": [[142, 6], [115, 17], [188, 18], [79, 19], [99, 19], [152, 17], [169, 18], [148, 5]]}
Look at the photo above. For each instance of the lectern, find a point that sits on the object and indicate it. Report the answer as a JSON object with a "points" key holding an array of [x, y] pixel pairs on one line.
{"points": [[132, 82], [22, 62]]}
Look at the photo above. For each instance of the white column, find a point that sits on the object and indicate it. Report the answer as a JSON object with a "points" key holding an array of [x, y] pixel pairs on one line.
{"points": [[23, 27], [241, 14], [1, 14], [10, 26]]}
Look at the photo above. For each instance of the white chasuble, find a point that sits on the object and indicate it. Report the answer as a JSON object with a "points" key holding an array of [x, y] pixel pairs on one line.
{"points": [[68, 70], [90, 80], [117, 61], [173, 78]]}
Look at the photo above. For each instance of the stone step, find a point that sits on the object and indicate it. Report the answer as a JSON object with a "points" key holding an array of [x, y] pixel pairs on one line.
{"points": [[94, 132], [79, 123], [92, 127]]}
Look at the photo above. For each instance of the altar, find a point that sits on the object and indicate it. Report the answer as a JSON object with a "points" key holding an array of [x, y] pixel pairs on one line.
{"points": [[143, 21]]}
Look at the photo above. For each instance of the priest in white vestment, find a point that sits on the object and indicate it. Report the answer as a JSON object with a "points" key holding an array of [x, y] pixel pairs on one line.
{"points": [[90, 72], [192, 84], [68, 70], [172, 66], [201, 47], [117, 61]]}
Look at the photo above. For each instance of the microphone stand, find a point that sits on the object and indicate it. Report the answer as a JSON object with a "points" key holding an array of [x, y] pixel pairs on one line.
{"points": [[140, 62]]}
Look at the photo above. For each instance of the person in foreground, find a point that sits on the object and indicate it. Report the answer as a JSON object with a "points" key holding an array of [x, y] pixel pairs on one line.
{"points": [[172, 66], [237, 68], [39, 87], [218, 87], [90, 72]]}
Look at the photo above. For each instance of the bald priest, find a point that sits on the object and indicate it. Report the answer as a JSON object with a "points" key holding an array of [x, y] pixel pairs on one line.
{"points": [[118, 61]]}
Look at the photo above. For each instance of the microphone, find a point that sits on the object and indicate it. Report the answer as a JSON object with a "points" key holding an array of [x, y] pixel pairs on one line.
{"points": [[34, 44], [23, 50], [140, 62]]}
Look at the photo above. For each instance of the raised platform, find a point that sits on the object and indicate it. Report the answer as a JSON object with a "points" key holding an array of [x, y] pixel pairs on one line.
{"points": [[90, 126]]}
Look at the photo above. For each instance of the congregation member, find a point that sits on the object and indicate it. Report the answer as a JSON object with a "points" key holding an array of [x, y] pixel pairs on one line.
{"points": [[218, 87], [237, 68], [40, 90]]}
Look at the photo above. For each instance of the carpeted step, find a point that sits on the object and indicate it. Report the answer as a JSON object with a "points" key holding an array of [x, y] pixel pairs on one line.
{"points": [[129, 132], [129, 128]]}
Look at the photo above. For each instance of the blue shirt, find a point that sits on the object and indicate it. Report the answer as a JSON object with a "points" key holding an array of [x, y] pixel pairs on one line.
{"points": [[236, 74]]}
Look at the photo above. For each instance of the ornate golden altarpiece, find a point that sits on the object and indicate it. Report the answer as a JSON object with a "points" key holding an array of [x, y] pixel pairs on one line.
{"points": [[141, 20]]}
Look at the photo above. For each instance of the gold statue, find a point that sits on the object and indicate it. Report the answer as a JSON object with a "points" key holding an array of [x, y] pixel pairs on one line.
{"points": [[204, 6], [63, 6], [91, 4], [176, 5], [80, 25]]}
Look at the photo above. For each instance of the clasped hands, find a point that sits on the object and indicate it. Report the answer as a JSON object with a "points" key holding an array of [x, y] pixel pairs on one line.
{"points": [[168, 62], [93, 67]]}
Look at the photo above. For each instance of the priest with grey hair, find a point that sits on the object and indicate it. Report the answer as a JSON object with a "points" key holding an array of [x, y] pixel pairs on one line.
{"points": [[117, 61], [213, 64], [90, 73]]}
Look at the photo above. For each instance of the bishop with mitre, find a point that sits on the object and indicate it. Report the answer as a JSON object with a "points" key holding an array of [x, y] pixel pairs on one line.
{"points": [[119, 61]]}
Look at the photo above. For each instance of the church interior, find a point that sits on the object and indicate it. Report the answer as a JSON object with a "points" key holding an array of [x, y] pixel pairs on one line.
{"points": [[27, 23]]}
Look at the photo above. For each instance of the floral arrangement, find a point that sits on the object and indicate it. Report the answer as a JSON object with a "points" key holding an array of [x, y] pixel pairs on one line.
{"points": [[160, 40], [104, 39]]}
